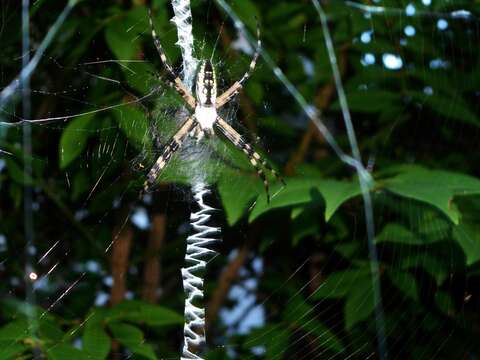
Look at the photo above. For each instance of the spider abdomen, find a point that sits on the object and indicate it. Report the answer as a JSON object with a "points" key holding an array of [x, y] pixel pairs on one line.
{"points": [[206, 92], [206, 116]]}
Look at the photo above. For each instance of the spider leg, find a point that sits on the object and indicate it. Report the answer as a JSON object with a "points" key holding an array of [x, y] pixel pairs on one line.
{"points": [[172, 146], [237, 86], [255, 159], [176, 82], [178, 85]]}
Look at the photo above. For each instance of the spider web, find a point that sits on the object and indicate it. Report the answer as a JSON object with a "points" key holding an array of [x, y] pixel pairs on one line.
{"points": [[314, 299]]}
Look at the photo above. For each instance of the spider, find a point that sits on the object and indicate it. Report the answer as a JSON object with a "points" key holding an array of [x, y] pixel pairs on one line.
{"points": [[204, 118]]}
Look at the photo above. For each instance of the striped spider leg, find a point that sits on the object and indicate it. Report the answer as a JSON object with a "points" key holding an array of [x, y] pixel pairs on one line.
{"points": [[233, 90], [175, 81], [255, 159], [172, 146], [232, 135], [177, 140]]}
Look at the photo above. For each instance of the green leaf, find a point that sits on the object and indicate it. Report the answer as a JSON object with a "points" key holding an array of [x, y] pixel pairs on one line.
{"points": [[132, 337], [435, 187], [468, 236], [430, 264], [297, 191], [338, 284], [11, 350], [324, 337], [22, 309], [448, 106], [127, 334], [405, 282], [134, 124], [121, 34], [80, 185], [360, 302], [17, 173], [301, 315], [273, 337], [95, 340], [255, 92], [445, 303], [74, 139], [370, 101], [160, 17], [347, 250], [336, 193], [49, 329], [304, 223], [64, 351], [237, 192], [431, 226], [467, 233], [247, 11], [437, 80], [304, 191], [397, 233], [139, 76], [15, 330], [138, 311], [217, 354]]}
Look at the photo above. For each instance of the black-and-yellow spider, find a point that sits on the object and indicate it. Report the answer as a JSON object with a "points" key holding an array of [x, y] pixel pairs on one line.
{"points": [[204, 118]]}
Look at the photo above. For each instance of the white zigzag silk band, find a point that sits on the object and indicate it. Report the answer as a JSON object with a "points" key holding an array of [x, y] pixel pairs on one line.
{"points": [[195, 255]]}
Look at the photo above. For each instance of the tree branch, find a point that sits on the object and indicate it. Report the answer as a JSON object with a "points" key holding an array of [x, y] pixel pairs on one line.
{"points": [[152, 271]]}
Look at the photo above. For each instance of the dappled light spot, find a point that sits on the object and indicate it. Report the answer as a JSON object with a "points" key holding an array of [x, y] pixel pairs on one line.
{"points": [[410, 10], [409, 30], [140, 218], [366, 36], [33, 276], [392, 61], [442, 24], [368, 59]]}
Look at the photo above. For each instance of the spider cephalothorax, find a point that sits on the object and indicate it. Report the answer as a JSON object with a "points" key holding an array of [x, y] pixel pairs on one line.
{"points": [[204, 118], [206, 94], [206, 87]]}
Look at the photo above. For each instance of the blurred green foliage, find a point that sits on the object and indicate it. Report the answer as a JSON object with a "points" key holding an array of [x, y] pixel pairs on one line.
{"points": [[417, 126]]}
